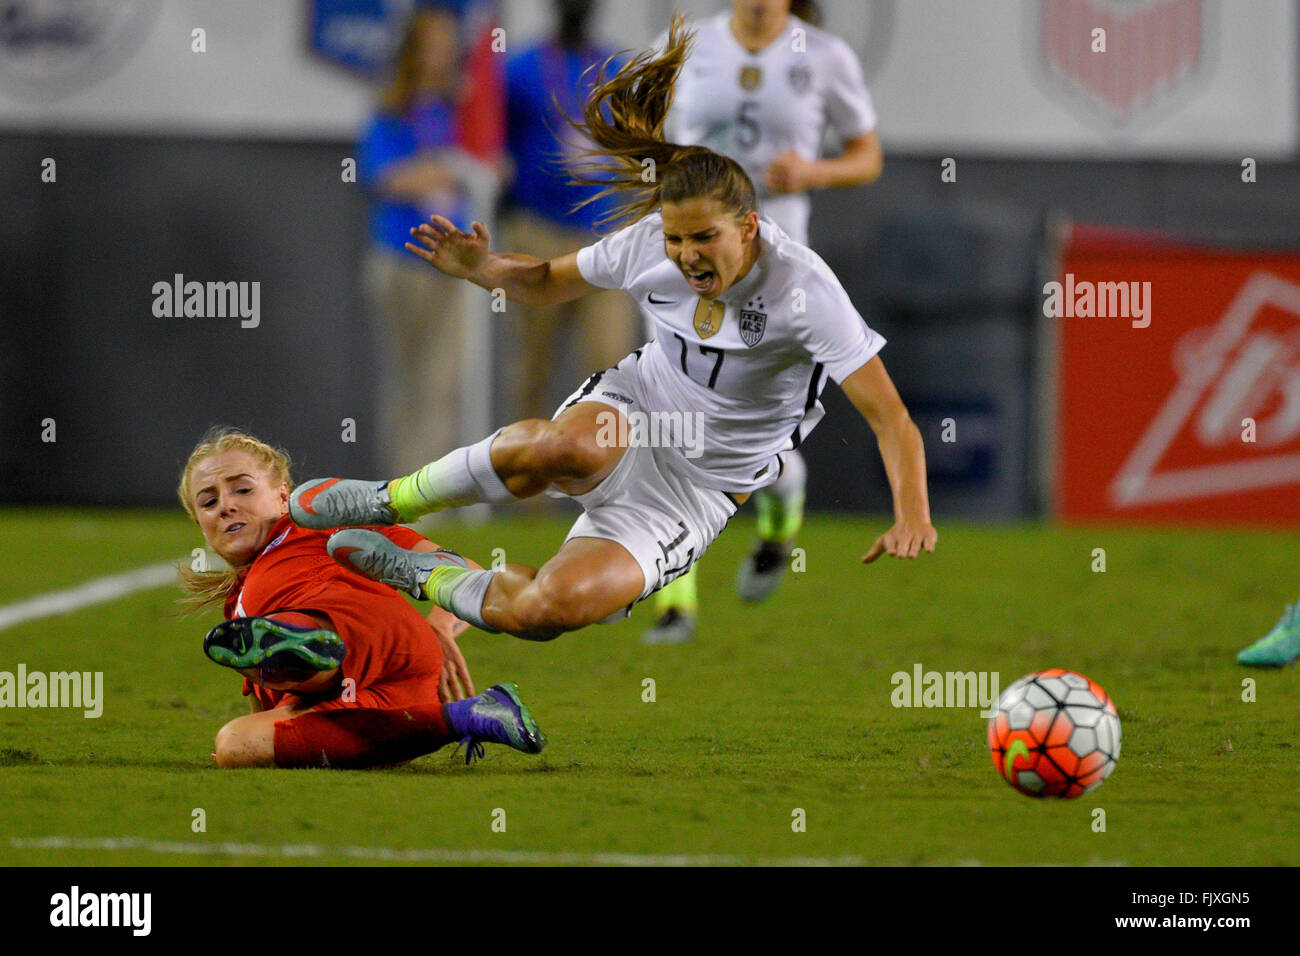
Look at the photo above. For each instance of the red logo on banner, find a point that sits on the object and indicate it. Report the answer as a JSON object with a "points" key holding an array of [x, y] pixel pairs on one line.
{"points": [[1196, 417], [1238, 387], [1153, 47]]}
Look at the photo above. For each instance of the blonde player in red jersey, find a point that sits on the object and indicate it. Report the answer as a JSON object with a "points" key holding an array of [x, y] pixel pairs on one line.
{"points": [[341, 672]]}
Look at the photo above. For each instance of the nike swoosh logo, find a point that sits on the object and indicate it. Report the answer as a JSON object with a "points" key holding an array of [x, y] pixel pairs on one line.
{"points": [[654, 301], [1018, 748]]}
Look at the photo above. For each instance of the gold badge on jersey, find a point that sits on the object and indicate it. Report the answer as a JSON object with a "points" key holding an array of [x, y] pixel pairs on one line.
{"points": [[750, 77], [709, 314]]}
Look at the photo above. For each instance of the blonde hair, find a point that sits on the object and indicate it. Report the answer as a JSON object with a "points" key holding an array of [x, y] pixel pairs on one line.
{"points": [[211, 588], [624, 117]]}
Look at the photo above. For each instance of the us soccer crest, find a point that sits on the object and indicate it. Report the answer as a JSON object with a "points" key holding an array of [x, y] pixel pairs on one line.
{"points": [[1153, 52], [708, 317], [750, 77], [800, 77], [752, 324]]}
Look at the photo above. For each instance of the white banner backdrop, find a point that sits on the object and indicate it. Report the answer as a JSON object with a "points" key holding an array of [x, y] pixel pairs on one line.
{"points": [[1177, 78]]}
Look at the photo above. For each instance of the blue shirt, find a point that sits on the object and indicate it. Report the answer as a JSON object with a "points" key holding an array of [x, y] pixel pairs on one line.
{"points": [[389, 139], [541, 179]]}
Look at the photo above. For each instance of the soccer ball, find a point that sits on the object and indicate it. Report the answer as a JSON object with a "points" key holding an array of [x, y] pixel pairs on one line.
{"points": [[1054, 734]]}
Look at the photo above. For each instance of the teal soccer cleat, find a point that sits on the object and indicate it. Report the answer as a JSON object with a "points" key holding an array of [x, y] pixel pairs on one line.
{"points": [[496, 716], [273, 647], [1280, 646]]}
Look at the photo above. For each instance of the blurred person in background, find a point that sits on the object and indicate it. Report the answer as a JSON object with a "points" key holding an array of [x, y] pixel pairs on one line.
{"points": [[546, 84], [764, 86], [416, 160]]}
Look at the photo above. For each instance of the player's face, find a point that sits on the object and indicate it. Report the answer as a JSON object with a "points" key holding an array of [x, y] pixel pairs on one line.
{"points": [[237, 504], [703, 239], [436, 47], [760, 13]]}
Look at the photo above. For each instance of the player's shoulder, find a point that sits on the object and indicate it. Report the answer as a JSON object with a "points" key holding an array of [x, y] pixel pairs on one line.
{"points": [[711, 27], [793, 265], [821, 43]]}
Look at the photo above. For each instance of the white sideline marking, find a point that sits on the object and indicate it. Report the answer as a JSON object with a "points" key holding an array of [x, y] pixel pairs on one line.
{"points": [[96, 591], [298, 851], [390, 855]]}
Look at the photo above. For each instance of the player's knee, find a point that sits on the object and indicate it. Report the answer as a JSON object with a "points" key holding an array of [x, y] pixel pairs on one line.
{"points": [[544, 611], [234, 749], [571, 450], [227, 746]]}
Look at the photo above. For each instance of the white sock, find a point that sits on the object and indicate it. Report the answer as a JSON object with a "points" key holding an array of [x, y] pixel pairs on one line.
{"points": [[462, 477]]}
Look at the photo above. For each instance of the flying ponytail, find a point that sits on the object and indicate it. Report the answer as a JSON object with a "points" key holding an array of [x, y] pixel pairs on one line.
{"points": [[625, 118]]}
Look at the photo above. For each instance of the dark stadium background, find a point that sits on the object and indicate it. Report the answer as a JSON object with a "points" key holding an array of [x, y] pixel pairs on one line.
{"points": [[949, 272]]}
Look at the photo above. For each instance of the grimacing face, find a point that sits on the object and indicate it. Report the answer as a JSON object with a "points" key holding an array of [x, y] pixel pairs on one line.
{"points": [[237, 504], [708, 244]]}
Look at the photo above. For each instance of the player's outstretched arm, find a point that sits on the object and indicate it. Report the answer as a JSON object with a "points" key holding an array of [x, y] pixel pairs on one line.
{"points": [[872, 393], [526, 279]]}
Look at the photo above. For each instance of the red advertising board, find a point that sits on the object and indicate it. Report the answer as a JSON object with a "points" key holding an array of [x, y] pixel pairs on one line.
{"points": [[1180, 388]]}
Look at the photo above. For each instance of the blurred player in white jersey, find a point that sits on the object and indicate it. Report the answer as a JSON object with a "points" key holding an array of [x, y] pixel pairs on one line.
{"points": [[764, 86], [749, 326]]}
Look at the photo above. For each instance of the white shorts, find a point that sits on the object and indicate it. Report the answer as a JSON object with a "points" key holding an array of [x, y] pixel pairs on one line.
{"points": [[665, 521]]}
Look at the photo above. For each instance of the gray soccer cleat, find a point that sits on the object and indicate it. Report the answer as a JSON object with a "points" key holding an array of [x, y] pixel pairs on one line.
{"points": [[673, 627], [325, 503], [763, 570], [375, 556]]}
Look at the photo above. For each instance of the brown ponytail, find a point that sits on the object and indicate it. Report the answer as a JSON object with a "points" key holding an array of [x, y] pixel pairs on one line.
{"points": [[625, 119]]}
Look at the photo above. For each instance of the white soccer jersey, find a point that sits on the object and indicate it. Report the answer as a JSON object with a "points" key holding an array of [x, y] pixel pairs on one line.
{"points": [[755, 106], [751, 363]]}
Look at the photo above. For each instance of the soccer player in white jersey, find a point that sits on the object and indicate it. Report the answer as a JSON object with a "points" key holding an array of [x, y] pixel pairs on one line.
{"points": [[750, 325], [763, 87]]}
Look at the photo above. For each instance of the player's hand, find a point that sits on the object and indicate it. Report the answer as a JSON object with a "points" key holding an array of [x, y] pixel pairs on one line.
{"points": [[789, 173], [454, 683], [439, 243], [906, 539]]}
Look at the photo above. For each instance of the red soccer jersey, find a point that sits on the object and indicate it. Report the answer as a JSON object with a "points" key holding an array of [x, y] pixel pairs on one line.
{"points": [[393, 654]]}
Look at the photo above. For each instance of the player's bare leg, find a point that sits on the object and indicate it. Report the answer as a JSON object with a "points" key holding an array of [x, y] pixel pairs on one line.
{"points": [[589, 580], [519, 461], [249, 741]]}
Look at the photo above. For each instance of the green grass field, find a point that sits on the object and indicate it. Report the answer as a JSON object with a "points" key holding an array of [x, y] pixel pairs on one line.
{"points": [[774, 708]]}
